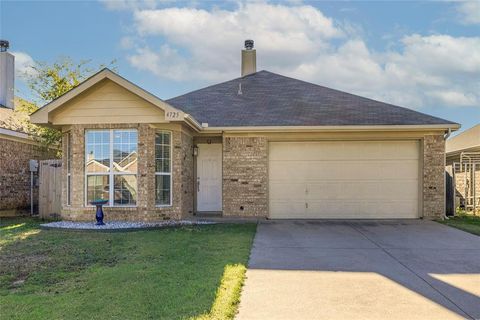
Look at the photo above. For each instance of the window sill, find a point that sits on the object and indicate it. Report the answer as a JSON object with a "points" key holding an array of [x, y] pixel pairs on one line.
{"points": [[112, 207]]}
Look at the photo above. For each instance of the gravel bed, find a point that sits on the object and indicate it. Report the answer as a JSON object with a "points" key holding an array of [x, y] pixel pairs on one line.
{"points": [[121, 225]]}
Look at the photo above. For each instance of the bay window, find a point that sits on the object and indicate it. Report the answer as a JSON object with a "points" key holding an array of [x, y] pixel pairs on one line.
{"points": [[111, 166], [163, 168]]}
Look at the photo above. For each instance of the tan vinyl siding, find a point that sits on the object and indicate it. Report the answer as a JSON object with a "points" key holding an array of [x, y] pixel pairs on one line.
{"points": [[107, 102]]}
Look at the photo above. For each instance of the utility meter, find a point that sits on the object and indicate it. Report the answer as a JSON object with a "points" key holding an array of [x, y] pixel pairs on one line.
{"points": [[33, 165]]}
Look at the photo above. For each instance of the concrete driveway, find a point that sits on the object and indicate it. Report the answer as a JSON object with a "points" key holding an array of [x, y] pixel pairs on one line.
{"points": [[362, 270]]}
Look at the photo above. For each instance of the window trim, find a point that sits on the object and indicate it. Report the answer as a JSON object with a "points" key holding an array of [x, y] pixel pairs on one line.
{"points": [[111, 174], [170, 204]]}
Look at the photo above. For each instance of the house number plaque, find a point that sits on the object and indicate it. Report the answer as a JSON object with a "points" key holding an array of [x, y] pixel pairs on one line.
{"points": [[173, 115]]}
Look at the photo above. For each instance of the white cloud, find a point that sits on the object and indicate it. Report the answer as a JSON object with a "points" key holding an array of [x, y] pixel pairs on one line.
{"points": [[451, 97], [23, 64], [127, 43], [118, 5], [469, 12], [439, 54], [210, 40], [165, 62], [300, 41]]}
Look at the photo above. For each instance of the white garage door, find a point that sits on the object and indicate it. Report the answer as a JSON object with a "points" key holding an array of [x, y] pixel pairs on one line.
{"points": [[344, 179]]}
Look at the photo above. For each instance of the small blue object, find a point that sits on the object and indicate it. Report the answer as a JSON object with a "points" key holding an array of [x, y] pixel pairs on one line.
{"points": [[99, 213]]}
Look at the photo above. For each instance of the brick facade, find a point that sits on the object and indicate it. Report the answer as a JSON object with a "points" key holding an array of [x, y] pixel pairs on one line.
{"points": [[245, 176], [182, 177], [433, 176], [15, 155]]}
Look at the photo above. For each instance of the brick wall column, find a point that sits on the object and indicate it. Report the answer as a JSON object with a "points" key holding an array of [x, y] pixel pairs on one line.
{"points": [[245, 176], [64, 169], [188, 180], [146, 168], [77, 134], [433, 176]]}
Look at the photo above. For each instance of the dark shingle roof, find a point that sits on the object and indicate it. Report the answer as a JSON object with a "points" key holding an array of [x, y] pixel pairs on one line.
{"points": [[269, 99]]}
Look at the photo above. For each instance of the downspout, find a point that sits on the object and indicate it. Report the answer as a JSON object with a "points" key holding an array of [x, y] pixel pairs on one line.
{"points": [[447, 134], [445, 137]]}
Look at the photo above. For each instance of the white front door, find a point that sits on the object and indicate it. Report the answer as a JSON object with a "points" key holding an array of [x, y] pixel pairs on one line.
{"points": [[209, 177]]}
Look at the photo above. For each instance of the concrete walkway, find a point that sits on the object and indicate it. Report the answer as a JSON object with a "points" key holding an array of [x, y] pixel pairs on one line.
{"points": [[362, 270]]}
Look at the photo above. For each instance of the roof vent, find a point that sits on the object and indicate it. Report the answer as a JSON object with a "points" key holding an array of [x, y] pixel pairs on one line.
{"points": [[240, 88]]}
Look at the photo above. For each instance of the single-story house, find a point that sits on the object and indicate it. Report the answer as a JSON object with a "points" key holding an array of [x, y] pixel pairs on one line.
{"points": [[463, 171], [262, 145], [467, 141], [17, 146]]}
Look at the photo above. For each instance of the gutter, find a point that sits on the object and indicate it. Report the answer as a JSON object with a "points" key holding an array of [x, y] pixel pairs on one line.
{"points": [[445, 137], [23, 138], [17, 134], [192, 122], [450, 127]]}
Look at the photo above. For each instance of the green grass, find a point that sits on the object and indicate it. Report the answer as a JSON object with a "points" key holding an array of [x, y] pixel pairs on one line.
{"points": [[464, 222], [228, 294], [180, 273]]}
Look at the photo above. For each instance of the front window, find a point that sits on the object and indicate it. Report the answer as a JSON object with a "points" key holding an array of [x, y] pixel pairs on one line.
{"points": [[111, 160], [163, 168]]}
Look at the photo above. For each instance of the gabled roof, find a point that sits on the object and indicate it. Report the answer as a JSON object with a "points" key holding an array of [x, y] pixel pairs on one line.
{"points": [[41, 116], [265, 99], [10, 119], [469, 140]]}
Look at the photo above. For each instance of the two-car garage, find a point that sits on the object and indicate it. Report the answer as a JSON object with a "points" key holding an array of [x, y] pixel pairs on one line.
{"points": [[344, 179]]}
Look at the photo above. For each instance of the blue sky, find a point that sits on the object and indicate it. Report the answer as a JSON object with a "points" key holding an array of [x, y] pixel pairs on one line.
{"points": [[421, 55]]}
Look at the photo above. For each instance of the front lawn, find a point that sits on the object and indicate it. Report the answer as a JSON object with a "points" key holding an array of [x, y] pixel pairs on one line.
{"points": [[180, 273], [464, 222]]}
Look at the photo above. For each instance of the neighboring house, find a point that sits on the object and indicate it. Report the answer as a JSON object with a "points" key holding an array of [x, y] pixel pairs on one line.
{"points": [[466, 142], [17, 148], [17, 145], [262, 145], [463, 167]]}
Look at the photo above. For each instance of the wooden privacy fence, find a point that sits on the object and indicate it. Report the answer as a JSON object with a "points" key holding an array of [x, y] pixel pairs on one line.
{"points": [[49, 188]]}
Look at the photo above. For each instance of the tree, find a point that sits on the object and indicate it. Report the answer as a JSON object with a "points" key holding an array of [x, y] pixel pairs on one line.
{"points": [[48, 82]]}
